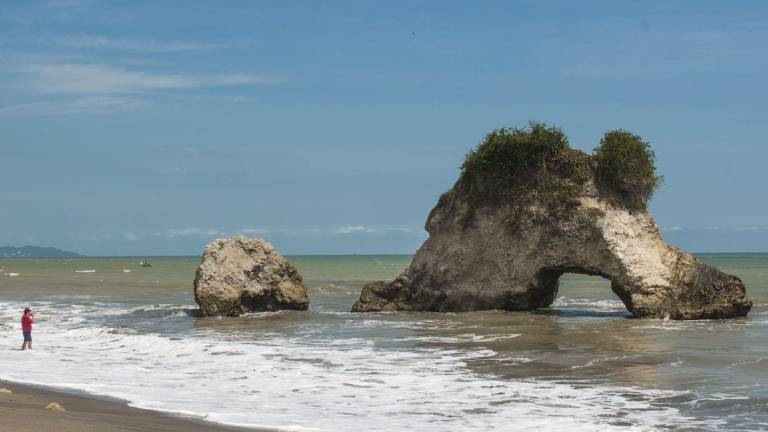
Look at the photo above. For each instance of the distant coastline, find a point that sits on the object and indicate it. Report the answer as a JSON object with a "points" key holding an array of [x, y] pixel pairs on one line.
{"points": [[35, 252]]}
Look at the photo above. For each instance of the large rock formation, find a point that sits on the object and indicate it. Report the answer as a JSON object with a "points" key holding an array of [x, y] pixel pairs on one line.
{"points": [[509, 228], [240, 274]]}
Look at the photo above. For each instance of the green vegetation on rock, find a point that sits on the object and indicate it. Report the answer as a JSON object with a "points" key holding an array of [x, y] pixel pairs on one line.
{"points": [[537, 164], [528, 164], [507, 153], [626, 165]]}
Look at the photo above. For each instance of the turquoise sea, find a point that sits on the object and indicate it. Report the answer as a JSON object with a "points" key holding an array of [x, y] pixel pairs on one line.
{"points": [[110, 327]]}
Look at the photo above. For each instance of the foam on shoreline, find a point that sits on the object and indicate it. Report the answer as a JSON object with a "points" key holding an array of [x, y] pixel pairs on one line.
{"points": [[307, 382]]}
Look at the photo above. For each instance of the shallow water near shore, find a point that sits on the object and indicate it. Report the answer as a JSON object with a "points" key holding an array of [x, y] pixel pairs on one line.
{"points": [[110, 327]]}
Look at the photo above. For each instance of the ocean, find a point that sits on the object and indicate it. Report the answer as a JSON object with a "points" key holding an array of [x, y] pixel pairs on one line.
{"points": [[109, 327]]}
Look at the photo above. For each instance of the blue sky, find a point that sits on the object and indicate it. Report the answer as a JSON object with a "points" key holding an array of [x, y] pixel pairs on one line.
{"points": [[145, 128]]}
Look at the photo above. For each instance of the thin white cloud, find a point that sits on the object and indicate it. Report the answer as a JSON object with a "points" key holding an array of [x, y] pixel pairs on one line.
{"points": [[755, 228], [352, 229], [103, 104], [129, 236], [407, 230], [673, 228], [190, 232], [253, 231], [305, 232], [67, 3], [212, 98], [361, 229], [73, 78], [151, 46]]}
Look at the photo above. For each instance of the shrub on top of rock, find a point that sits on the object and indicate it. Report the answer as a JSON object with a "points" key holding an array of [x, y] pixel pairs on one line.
{"points": [[626, 165], [521, 165], [510, 152], [525, 164]]}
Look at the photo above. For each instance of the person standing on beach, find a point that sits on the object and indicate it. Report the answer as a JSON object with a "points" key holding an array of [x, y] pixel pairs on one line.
{"points": [[26, 328]]}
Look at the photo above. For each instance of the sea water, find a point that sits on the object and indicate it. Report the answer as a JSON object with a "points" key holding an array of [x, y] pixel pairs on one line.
{"points": [[110, 327]]}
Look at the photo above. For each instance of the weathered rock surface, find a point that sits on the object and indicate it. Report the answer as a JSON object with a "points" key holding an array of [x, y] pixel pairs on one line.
{"points": [[489, 249], [240, 274]]}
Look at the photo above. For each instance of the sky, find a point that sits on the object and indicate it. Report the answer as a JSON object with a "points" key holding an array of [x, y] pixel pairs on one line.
{"points": [[151, 128]]}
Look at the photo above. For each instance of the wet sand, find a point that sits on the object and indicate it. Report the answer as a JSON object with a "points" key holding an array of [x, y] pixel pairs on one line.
{"points": [[24, 410]]}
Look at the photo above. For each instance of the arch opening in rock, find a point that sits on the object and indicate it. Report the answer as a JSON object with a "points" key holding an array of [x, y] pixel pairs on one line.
{"points": [[551, 279], [576, 289]]}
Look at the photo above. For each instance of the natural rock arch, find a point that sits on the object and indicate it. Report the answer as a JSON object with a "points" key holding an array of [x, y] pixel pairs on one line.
{"points": [[502, 242]]}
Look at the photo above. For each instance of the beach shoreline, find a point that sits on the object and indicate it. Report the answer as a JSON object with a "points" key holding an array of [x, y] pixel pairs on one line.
{"points": [[25, 409]]}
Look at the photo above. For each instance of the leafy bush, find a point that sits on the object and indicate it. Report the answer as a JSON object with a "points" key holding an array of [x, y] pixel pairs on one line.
{"points": [[506, 153], [515, 166], [626, 165]]}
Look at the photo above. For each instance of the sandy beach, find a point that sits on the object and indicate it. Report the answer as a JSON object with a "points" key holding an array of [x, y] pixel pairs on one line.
{"points": [[24, 409]]}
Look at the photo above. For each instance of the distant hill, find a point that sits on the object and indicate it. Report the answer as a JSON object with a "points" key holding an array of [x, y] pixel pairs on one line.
{"points": [[34, 252]]}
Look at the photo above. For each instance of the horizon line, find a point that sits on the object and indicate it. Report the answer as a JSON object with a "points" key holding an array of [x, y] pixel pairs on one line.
{"points": [[325, 255]]}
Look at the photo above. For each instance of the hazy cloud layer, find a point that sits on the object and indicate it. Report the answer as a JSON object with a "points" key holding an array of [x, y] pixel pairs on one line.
{"points": [[67, 3], [86, 73], [103, 104], [98, 78], [187, 232], [140, 45], [305, 232]]}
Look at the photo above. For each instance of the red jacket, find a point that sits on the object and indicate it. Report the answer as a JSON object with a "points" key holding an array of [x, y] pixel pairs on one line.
{"points": [[26, 323]]}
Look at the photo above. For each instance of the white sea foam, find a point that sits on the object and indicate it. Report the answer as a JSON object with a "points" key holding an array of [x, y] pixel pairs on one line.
{"points": [[85, 271], [747, 363], [126, 270], [463, 338], [13, 274], [598, 361], [604, 305], [302, 383]]}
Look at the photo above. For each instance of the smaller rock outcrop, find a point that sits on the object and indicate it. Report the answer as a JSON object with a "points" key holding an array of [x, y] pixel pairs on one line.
{"points": [[240, 274]]}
